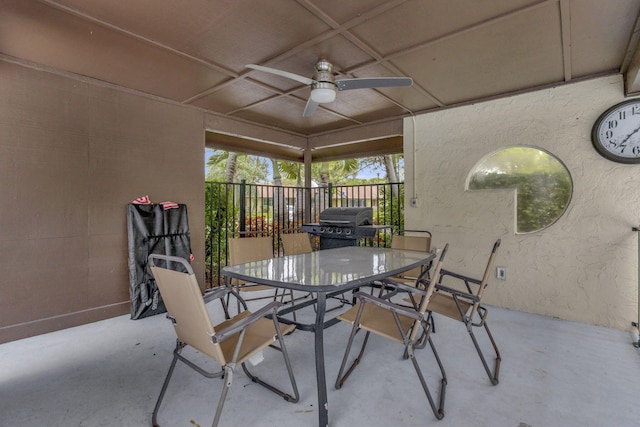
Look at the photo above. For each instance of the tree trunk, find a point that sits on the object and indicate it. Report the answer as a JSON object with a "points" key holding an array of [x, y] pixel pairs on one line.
{"points": [[278, 194], [324, 189], [392, 175], [230, 170]]}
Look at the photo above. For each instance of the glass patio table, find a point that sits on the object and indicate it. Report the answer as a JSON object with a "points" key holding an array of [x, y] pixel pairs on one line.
{"points": [[326, 273]]}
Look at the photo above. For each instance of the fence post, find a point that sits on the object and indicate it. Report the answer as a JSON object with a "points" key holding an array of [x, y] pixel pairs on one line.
{"points": [[243, 207]]}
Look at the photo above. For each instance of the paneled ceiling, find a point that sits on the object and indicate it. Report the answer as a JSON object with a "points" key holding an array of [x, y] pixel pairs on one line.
{"points": [[194, 53]]}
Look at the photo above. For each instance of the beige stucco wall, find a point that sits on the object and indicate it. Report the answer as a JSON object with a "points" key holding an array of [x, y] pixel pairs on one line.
{"points": [[584, 267]]}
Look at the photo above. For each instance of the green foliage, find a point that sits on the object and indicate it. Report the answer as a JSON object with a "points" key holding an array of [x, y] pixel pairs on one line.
{"points": [[249, 168], [254, 169], [543, 184], [219, 223], [390, 212]]}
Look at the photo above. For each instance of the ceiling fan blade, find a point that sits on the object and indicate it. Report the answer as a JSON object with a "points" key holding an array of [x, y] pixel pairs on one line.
{"points": [[310, 108], [374, 82], [296, 77]]}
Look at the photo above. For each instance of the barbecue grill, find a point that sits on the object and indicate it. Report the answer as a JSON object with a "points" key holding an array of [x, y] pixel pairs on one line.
{"points": [[340, 227]]}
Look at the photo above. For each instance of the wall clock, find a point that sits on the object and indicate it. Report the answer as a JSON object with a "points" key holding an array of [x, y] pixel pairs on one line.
{"points": [[616, 133]]}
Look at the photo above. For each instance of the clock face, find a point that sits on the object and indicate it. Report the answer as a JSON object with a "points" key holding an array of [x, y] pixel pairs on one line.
{"points": [[616, 133]]}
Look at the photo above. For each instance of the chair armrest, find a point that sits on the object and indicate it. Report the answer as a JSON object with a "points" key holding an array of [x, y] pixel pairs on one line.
{"points": [[458, 293], [212, 294], [444, 272], [388, 305], [230, 330], [404, 287], [412, 289], [388, 288]]}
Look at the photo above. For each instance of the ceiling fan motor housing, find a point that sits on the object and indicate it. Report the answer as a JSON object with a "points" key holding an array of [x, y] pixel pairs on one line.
{"points": [[323, 89]]}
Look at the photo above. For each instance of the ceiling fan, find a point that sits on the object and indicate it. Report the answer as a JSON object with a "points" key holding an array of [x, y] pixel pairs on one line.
{"points": [[324, 85]]}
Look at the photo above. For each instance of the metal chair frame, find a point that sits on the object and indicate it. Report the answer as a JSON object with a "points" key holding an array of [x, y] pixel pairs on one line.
{"points": [[413, 328], [243, 287], [235, 328], [466, 307]]}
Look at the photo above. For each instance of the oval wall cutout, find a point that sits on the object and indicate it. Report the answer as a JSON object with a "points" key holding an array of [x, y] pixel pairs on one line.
{"points": [[543, 184]]}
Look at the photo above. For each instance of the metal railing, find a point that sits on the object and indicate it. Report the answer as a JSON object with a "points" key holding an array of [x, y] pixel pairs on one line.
{"points": [[233, 209]]}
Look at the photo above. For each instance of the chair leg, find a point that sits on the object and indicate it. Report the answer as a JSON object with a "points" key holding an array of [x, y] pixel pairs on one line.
{"points": [[287, 362], [292, 300], [228, 379], [493, 376], [438, 411], [342, 378], [154, 418], [227, 374], [225, 308], [292, 303]]}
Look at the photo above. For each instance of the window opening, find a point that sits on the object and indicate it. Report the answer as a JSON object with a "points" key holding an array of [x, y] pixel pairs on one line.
{"points": [[543, 184]]}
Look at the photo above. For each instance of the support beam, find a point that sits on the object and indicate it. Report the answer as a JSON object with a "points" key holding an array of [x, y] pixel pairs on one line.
{"points": [[367, 132]]}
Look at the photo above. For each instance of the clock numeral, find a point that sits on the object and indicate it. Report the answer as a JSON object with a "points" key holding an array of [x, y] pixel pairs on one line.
{"points": [[622, 115], [636, 151], [612, 124], [635, 110], [608, 134]]}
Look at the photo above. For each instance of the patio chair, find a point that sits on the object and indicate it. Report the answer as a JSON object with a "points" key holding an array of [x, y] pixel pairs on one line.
{"points": [[229, 343], [421, 242], [296, 243], [300, 243], [247, 249], [411, 327], [465, 306]]}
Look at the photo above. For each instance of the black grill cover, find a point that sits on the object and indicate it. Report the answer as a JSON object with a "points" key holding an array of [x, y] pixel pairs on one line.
{"points": [[153, 230]]}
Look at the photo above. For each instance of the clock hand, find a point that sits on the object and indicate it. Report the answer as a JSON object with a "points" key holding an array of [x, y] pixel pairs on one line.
{"points": [[628, 136]]}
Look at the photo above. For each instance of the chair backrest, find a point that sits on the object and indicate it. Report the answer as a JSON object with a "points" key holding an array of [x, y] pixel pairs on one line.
{"points": [[183, 299], [424, 304], [487, 271], [296, 243], [484, 282], [247, 249], [412, 243]]}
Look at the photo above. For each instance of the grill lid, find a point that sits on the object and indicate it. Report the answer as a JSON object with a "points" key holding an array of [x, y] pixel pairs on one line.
{"points": [[347, 216]]}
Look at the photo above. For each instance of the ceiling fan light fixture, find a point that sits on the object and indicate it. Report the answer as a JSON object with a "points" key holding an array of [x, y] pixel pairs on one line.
{"points": [[324, 85], [323, 95]]}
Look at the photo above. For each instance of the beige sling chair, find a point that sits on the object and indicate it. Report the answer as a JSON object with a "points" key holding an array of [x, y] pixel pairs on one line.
{"points": [[296, 243], [248, 249], [465, 306], [300, 243], [406, 325], [419, 240], [229, 343]]}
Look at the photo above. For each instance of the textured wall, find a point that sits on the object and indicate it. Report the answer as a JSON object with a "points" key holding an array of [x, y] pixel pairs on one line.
{"points": [[72, 155], [584, 267]]}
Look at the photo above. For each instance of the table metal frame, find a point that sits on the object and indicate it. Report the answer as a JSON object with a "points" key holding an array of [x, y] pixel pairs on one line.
{"points": [[326, 273]]}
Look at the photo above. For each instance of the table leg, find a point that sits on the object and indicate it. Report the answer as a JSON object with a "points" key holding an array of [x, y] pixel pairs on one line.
{"points": [[323, 408]]}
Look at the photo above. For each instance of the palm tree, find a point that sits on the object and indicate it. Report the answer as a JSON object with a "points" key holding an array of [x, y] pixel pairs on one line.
{"points": [[227, 166], [278, 193]]}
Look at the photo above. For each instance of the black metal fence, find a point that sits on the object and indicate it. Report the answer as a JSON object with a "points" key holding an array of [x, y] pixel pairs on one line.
{"points": [[234, 209]]}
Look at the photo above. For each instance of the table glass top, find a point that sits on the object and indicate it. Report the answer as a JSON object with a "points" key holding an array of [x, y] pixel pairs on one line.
{"points": [[329, 268]]}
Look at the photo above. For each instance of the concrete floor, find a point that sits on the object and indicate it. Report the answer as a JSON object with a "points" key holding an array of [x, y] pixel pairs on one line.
{"points": [[554, 373]]}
